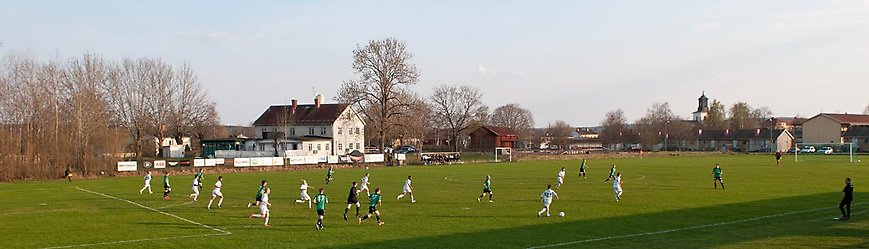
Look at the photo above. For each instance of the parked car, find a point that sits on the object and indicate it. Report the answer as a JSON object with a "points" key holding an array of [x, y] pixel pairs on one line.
{"points": [[826, 150], [808, 149], [792, 150], [406, 149]]}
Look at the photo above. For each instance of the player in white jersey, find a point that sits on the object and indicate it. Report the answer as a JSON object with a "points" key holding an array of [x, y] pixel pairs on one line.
{"points": [[195, 194], [364, 185], [216, 193], [560, 181], [304, 197], [264, 205], [147, 183], [408, 190], [546, 197], [617, 186]]}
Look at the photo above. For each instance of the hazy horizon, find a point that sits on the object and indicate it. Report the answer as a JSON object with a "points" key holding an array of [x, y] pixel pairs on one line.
{"points": [[571, 61]]}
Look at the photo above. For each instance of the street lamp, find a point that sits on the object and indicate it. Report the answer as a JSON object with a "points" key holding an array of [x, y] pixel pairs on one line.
{"points": [[666, 134]]}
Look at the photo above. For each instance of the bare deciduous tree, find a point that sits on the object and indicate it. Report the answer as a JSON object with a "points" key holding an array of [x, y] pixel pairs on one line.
{"points": [[459, 109], [614, 125], [385, 70], [514, 117], [716, 117], [652, 127], [559, 134]]}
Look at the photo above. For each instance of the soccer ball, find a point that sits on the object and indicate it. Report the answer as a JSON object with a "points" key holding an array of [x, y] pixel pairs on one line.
{"points": [[561, 214]]}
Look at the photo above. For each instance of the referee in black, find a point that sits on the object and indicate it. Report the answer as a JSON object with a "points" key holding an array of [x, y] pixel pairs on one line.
{"points": [[845, 204]]}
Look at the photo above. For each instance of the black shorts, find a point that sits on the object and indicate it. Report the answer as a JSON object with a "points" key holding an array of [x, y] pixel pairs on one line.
{"points": [[581, 170], [777, 158], [716, 178], [352, 200], [259, 198], [321, 212], [372, 209], [486, 190]]}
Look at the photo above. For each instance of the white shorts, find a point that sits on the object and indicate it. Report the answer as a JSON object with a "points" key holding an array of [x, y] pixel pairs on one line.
{"points": [[304, 196], [364, 187], [216, 192], [407, 190], [195, 189], [547, 202], [148, 184], [560, 180], [617, 190], [263, 209]]}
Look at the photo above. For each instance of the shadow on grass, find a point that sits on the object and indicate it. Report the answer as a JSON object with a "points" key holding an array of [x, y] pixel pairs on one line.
{"points": [[703, 227]]}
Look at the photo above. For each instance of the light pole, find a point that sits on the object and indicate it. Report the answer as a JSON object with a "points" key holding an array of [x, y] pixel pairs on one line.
{"points": [[666, 135]]}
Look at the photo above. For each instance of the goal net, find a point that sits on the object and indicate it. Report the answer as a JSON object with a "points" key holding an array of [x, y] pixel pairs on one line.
{"points": [[829, 152], [503, 154]]}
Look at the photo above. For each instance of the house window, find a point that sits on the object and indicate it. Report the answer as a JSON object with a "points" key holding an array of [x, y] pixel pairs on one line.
{"points": [[357, 146], [357, 131], [275, 130], [265, 130], [327, 146], [340, 146], [322, 130], [310, 130], [310, 147], [349, 146], [293, 131], [339, 131], [318, 147]]}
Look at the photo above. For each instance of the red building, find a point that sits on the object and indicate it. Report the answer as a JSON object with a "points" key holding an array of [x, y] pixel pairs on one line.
{"points": [[487, 138]]}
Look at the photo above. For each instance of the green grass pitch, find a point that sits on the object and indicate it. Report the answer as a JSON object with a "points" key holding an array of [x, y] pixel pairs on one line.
{"points": [[668, 202]]}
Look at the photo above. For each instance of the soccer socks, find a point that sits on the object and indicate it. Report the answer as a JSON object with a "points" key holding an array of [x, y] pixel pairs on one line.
{"points": [[220, 202], [490, 197], [357, 211], [267, 220], [209, 203], [399, 196], [543, 210], [257, 215], [345, 213]]}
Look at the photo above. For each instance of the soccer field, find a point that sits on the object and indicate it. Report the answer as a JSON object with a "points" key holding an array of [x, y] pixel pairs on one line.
{"points": [[668, 202]]}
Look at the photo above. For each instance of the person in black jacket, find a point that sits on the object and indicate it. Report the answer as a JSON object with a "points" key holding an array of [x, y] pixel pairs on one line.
{"points": [[845, 204]]}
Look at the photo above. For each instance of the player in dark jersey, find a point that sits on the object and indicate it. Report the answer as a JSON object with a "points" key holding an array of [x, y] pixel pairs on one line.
{"points": [[845, 204], [716, 176], [778, 158], [352, 200]]}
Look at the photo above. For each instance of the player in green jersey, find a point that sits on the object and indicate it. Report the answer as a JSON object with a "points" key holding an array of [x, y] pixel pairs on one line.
{"points": [[320, 201], [372, 207], [329, 174], [166, 187], [259, 194], [487, 189], [716, 176], [582, 169], [612, 174]]}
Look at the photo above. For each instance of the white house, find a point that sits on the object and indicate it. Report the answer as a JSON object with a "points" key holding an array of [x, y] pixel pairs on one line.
{"points": [[309, 130]]}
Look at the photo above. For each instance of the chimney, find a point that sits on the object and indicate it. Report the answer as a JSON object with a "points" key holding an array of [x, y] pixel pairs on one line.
{"points": [[295, 104], [317, 100]]}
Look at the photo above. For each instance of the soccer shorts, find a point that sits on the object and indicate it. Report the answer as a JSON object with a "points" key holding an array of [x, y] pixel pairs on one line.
{"points": [[263, 208], [321, 212], [304, 196], [259, 198], [407, 190], [148, 184], [195, 189], [716, 178], [352, 200], [372, 209], [486, 190], [546, 202], [617, 190], [560, 180], [364, 187], [216, 192]]}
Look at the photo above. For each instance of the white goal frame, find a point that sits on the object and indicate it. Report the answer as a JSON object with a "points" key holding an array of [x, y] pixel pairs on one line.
{"points": [[507, 151], [798, 146]]}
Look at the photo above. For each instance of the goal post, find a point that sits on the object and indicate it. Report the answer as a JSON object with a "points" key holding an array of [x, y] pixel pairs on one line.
{"points": [[503, 152], [826, 151]]}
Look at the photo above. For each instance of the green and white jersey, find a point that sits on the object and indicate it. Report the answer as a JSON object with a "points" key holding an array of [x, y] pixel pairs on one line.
{"points": [[198, 176], [716, 172], [374, 199], [613, 171], [321, 200], [582, 166], [487, 184], [260, 191]]}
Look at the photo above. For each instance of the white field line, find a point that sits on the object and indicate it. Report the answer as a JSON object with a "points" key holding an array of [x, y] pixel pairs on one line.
{"points": [[221, 232], [683, 228], [827, 218], [175, 205]]}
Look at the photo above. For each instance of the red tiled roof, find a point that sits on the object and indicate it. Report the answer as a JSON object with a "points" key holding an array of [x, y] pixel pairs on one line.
{"points": [[501, 131], [852, 119], [305, 114], [761, 133]]}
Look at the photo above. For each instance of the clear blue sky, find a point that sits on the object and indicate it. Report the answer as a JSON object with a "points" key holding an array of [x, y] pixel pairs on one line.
{"points": [[563, 60]]}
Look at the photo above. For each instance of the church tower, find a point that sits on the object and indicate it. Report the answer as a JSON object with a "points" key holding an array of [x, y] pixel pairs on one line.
{"points": [[702, 108]]}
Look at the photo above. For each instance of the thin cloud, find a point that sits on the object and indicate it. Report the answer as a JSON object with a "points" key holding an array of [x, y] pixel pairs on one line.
{"points": [[485, 72]]}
